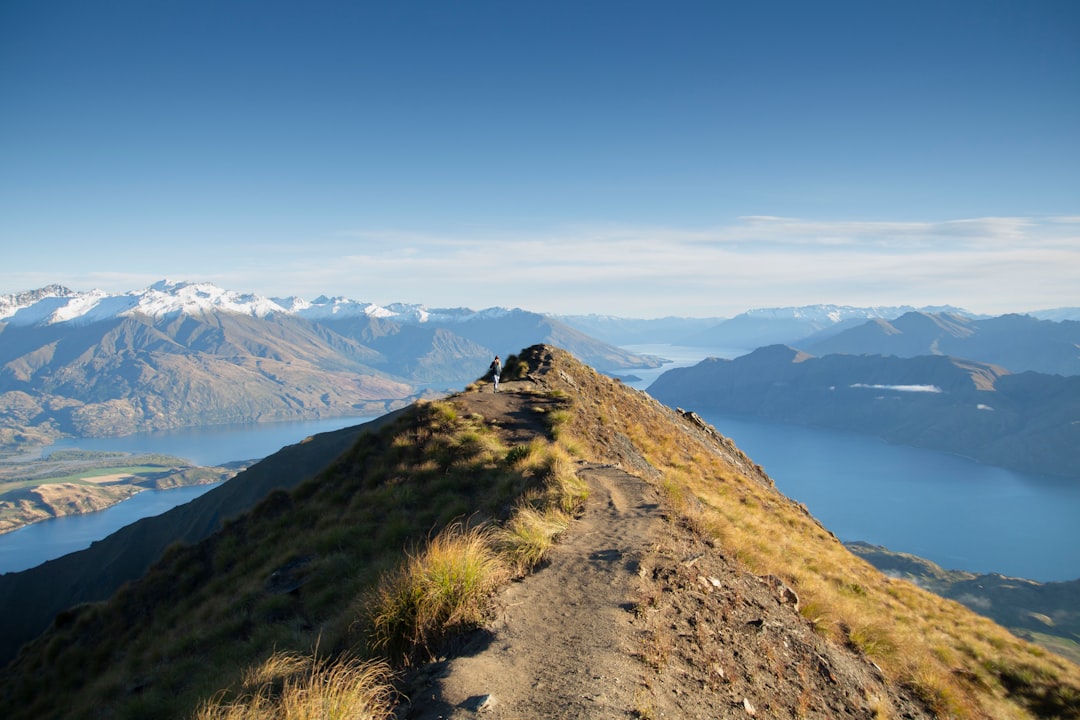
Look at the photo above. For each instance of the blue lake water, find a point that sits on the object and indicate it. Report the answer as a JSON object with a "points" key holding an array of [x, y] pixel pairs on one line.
{"points": [[214, 445], [32, 545], [953, 511], [958, 513]]}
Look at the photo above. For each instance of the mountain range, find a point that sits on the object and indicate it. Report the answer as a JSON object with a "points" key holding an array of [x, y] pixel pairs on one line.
{"points": [[1026, 421], [1044, 341], [1015, 342], [567, 547], [193, 354], [185, 354]]}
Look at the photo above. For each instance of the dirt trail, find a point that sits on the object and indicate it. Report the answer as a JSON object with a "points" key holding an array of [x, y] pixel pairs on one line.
{"points": [[559, 646], [636, 616]]}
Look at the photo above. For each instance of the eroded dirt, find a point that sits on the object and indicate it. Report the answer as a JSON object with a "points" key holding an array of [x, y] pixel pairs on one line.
{"points": [[635, 616]]}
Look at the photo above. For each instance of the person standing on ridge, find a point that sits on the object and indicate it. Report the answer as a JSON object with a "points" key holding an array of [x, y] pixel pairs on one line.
{"points": [[496, 371]]}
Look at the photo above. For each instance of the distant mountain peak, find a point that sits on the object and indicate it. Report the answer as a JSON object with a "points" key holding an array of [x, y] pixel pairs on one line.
{"points": [[839, 313], [11, 304]]}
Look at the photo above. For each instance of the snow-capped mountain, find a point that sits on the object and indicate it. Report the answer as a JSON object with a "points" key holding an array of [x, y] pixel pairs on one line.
{"points": [[58, 304], [184, 354]]}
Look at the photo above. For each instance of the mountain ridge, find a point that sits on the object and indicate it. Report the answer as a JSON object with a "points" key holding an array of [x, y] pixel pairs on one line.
{"points": [[1017, 342], [741, 603], [191, 354], [1024, 421]]}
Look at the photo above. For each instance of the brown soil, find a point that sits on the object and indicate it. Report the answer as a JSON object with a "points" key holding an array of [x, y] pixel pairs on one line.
{"points": [[635, 616]]}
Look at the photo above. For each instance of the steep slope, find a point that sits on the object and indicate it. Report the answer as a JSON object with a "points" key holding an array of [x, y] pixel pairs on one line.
{"points": [[1027, 422], [32, 598], [689, 587], [1048, 613]]}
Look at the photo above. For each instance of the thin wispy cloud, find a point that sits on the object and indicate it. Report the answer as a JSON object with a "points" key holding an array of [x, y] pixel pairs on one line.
{"points": [[753, 262], [990, 265]]}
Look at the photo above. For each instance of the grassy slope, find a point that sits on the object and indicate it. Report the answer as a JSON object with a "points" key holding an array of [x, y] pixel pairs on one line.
{"points": [[302, 569], [295, 573], [1046, 613]]}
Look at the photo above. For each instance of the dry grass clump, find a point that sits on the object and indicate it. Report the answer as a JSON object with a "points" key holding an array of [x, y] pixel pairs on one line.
{"points": [[563, 487], [514, 368], [288, 686], [439, 590], [444, 588], [527, 537]]}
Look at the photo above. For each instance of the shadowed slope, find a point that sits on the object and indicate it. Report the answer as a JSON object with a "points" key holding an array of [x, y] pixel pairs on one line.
{"points": [[689, 587]]}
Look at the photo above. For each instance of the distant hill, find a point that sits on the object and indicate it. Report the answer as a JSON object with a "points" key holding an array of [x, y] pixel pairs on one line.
{"points": [[191, 354], [1027, 421], [1015, 342], [32, 598], [659, 573], [788, 325]]}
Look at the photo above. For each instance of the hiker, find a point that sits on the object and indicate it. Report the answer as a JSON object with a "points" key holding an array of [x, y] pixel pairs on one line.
{"points": [[496, 371]]}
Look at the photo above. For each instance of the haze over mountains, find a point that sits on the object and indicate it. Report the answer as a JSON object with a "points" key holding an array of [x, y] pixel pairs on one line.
{"points": [[700, 614], [1044, 340], [1016, 342], [188, 354], [185, 354]]}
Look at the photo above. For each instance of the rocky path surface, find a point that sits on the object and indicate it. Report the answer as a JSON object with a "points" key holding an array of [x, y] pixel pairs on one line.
{"points": [[559, 647], [637, 616]]}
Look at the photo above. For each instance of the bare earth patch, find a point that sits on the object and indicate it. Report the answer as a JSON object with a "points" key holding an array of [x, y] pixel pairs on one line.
{"points": [[634, 616]]}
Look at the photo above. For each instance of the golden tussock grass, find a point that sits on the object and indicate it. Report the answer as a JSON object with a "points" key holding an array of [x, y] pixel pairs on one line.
{"points": [[442, 588], [289, 686], [525, 540]]}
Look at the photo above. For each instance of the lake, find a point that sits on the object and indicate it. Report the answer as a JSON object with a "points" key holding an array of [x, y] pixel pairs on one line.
{"points": [[956, 512], [34, 544], [953, 511], [213, 445]]}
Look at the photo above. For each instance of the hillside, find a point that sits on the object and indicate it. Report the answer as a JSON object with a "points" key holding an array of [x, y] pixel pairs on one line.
{"points": [[682, 584], [1028, 421], [191, 354], [1047, 613], [32, 598]]}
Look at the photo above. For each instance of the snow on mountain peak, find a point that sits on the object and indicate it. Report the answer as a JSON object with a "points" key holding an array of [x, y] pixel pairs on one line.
{"points": [[16, 302], [169, 298], [56, 304], [324, 307]]}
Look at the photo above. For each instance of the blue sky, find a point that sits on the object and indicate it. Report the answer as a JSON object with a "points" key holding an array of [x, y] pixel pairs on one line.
{"points": [[630, 158]]}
